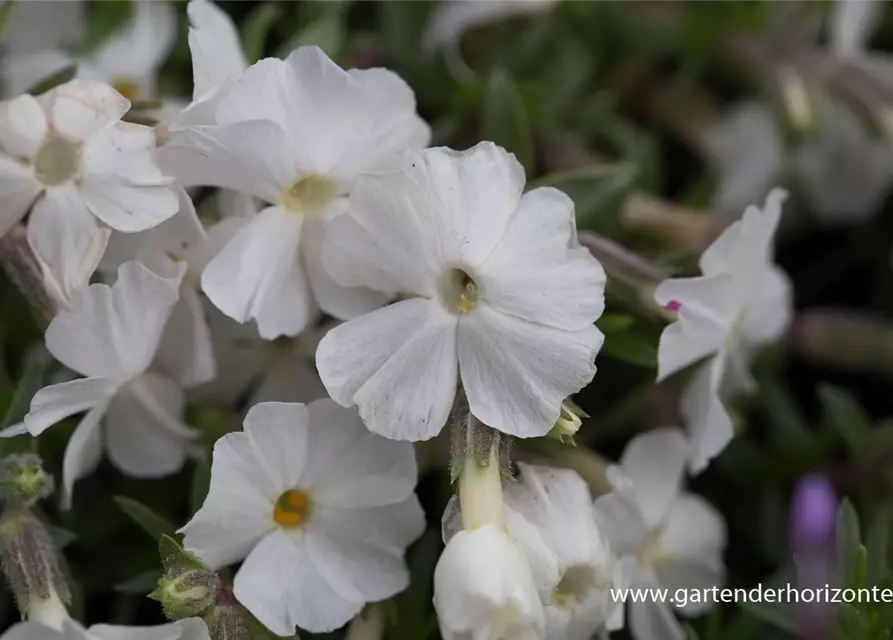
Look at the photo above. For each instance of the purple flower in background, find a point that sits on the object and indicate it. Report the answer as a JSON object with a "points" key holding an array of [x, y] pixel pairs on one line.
{"points": [[813, 519]]}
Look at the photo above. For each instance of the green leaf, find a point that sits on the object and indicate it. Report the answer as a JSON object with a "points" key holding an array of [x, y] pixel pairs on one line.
{"points": [[53, 80], [630, 348], [257, 29], [771, 613], [149, 521], [877, 543], [846, 416], [598, 192], [61, 537], [505, 117], [851, 621], [30, 383], [198, 488], [614, 322], [141, 584], [789, 431], [690, 633], [5, 10], [175, 558], [849, 539]]}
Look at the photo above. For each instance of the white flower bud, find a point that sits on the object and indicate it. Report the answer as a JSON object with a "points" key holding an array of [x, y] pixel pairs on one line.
{"points": [[484, 588]]}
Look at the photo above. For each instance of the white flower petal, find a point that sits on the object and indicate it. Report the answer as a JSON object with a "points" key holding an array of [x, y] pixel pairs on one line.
{"points": [[21, 71], [338, 301], [81, 108], [655, 463], [654, 621], [371, 471], [40, 25], [516, 374], [851, 25], [621, 521], [143, 435], [398, 364], [136, 51], [252, 157], [706, 312], [186, 352], [451, 19], [769, 313], [692, 540], [58, 401], [188, 629], [32, 631], [281, 585], [18, 189], [23, 126], [360, 551], [114, 331], [709, 425], [538, 272], [66, 241], [258, 275], [291, 378], [128, 207], [215, 46], [83, 452]]}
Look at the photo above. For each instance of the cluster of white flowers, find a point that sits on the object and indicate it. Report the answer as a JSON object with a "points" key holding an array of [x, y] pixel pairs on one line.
{"points": [[446, 284]]}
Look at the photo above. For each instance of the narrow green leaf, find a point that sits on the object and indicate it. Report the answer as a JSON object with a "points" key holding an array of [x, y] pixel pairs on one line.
{"points": [[790, 431], [29, 384], [771, 613], [327, 32], [257, 29], [614, 322], [198, 489], [141, 584], [846, 416], [176, 559], [5, 10], [505, 118], [877, 543], [598, 192], [53, 80], [149, 521], [62, 537], [849, 539]]}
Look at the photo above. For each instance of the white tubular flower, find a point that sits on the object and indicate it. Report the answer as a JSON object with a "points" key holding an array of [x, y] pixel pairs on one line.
{"points": [[129, 59], [453, 18], [320, 509], [497, 290], [38, 26], [111, 337], [186, 352], [852, 22], [742, 301], [484, 587], [67, 157], [746, 152], [189, 629], [671, 539], [295, 134], [549, 512]]}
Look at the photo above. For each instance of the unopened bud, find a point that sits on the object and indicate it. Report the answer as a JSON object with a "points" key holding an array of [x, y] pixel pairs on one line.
{"points": [[848, 340], [22, 477], [31, 564], [188, 587], [568, 423]]}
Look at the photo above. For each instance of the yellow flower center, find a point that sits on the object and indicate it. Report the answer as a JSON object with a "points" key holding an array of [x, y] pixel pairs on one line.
{"points": [[574, 586], [57, 160], [309, 194], [127, 88], [458, 291], [291, 509]]}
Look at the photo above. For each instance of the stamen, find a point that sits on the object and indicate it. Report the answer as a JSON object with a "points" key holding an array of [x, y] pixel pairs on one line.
{"points": [[292, 509], [309, 194], [673, 305], [57, 160], [458, 291]]}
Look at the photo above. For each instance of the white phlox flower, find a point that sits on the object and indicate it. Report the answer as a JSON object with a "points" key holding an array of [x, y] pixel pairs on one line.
{"points": [[294, 133], [492, 287], [37, 26], [186, 352], [452, 18], [320, 509], [128, 60], [670, 539], [484, 587], [67, 158], [741, 302], [851, 25], [745, 148], [111, 336], [549, 512], [188, 629]]}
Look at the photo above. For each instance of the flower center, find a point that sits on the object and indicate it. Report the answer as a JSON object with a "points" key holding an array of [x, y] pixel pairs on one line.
{"points": [[126, 87], [576, 583], [58, 160], [291, 509], [458, 291], [309, 194]]}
